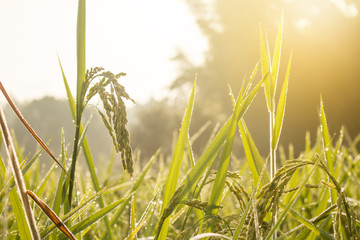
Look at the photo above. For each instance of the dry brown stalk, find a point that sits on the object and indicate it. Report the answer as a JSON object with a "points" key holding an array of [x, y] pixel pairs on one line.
{"points": [[20, 183]]}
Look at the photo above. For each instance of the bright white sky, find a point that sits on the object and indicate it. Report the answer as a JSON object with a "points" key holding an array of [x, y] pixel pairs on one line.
{"points": [[136, 37]]}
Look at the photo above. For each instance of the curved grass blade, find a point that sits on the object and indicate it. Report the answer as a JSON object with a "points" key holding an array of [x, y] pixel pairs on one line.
{"points": [[253, 156], [175, 167], [305, 232], [77, 228], [73, 213], [251, 79], [19, 214], [276, 57], [327, 145], [133, 207], [219, 184], [266, 73], [28, 127], [53, 217], [280, 112], [311, 226]]}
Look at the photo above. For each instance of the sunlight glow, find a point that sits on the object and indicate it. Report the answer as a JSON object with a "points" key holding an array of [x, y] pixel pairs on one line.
{"points": [[302, 23], [348, 10]]}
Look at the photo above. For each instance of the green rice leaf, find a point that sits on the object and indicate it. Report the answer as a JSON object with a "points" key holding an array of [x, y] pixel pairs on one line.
{"points": [[218, 187], [77, 228], [276, 56], [20, 216], [132, 214], [266, 73], [326, 137], [253, 156], [337, 151], [251, 79], [208, 157], [280, 112], [80, 50], [327, 145], [57, 203], [174, 172], [74, 212], [312, 227], [68, 91], [305, 233]]}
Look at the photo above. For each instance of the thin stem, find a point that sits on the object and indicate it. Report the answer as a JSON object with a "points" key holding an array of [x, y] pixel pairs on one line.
{"points": [[272, 159], [272, 151], [73, 164], [18, 176]]}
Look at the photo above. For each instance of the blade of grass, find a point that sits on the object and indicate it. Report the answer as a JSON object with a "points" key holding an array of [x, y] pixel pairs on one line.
{"points": [[133, 215], [266, 73], [327, 145], [80, 46], [208, 157], [253, 157], [18, 211], [58, 193], [337, 152], [276, 57], [312, 227], [77, 228], [174, 172], [73, 213], [305, 232], [80, 52], [219, 184], [279, 119]]}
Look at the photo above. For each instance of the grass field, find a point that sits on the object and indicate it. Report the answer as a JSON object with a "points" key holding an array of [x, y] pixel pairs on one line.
{"points": [[182, 196]]}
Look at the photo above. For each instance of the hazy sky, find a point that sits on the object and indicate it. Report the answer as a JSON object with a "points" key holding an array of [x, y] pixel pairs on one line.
{"points": [[136, 37]]}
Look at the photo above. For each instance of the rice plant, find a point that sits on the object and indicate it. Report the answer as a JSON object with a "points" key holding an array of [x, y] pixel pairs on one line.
{"points": [[182, 196]]}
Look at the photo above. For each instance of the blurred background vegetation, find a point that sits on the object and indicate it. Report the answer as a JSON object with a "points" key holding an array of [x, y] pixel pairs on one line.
{"points": [[323, 36]]}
